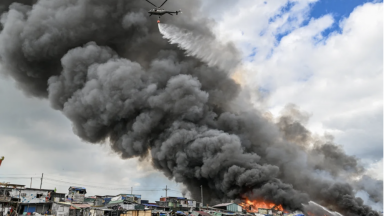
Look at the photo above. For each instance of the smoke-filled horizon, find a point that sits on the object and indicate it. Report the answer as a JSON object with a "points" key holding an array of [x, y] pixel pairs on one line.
{"points": [[106, 67]]}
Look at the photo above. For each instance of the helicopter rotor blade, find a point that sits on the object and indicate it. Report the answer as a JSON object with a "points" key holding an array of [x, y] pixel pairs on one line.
{"points": [[163, 3], [151, 3]]}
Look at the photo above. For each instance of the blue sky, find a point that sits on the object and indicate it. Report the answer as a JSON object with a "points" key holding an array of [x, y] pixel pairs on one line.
{"points": [[339, 9]]}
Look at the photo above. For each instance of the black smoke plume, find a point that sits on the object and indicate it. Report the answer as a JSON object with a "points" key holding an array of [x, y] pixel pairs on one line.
{"points": [[105, 65]]}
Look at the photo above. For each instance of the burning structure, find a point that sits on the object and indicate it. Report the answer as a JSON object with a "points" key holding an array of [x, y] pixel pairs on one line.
{"points": [[263, 207], [104, 65]]}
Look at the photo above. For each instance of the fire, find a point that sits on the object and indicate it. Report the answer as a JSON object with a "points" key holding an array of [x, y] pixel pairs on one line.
{"points": [[255, 205]]}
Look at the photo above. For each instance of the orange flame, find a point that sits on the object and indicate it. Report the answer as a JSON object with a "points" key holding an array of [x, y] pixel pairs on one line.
{"points": [[255, 205]]}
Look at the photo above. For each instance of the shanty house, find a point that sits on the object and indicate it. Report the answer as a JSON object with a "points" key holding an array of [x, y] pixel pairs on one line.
{"points": [[76, 194], [177, 202], [33, 200], [233, 207], [70, 209], [5, 196], [125, 204]]}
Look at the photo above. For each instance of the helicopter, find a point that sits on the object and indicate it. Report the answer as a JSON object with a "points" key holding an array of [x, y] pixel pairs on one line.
{"points": [[160, 12]]}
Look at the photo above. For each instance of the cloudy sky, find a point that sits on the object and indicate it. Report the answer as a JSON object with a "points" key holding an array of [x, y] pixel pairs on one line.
{"points": [[324, 56]]}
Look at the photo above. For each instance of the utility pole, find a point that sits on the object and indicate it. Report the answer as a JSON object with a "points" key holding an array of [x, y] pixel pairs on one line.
{"points": [[41, 183], [166, 191], [201, 186], [30, 186]]}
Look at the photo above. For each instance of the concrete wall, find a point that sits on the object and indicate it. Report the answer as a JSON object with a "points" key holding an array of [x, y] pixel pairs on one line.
{"points": [[30, 196], [60, 210], [77, 197]]}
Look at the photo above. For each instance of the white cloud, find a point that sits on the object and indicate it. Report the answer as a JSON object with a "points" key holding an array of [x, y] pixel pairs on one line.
{"points": [[376, 170], [338, 79]]}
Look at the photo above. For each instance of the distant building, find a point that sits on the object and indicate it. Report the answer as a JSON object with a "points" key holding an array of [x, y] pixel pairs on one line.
{"points": [[233, 207], [136, 198], [177, 202]]}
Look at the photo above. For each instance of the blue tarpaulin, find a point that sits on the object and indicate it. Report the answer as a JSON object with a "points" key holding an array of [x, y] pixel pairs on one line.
{"points": [[180, 212], [107, 200]]}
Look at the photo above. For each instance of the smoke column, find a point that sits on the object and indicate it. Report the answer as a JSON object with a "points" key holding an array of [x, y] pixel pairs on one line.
{"points": [[106, 67]]}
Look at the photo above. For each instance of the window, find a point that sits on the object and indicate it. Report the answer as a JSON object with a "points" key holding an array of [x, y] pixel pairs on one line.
{"points": [[39, 195]]}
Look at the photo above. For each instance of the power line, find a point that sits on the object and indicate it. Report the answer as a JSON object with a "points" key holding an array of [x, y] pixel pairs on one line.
{"points": [[62, 183], [11, 177], [85, 182], [100, 187]]}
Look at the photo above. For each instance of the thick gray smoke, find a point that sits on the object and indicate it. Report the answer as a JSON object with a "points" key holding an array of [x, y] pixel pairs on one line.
{"points": [[105, 65]]}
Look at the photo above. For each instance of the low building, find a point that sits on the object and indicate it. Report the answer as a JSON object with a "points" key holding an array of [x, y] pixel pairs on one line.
{"points": [[180, 203], [125, 205], [5, 197], [70, 209], [232, 207], [32, 200]]}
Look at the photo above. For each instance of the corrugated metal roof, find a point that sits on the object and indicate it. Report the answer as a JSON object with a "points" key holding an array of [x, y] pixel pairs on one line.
{"points": [[223, 204], [116, 202], [150, 205], [81, 205]]}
